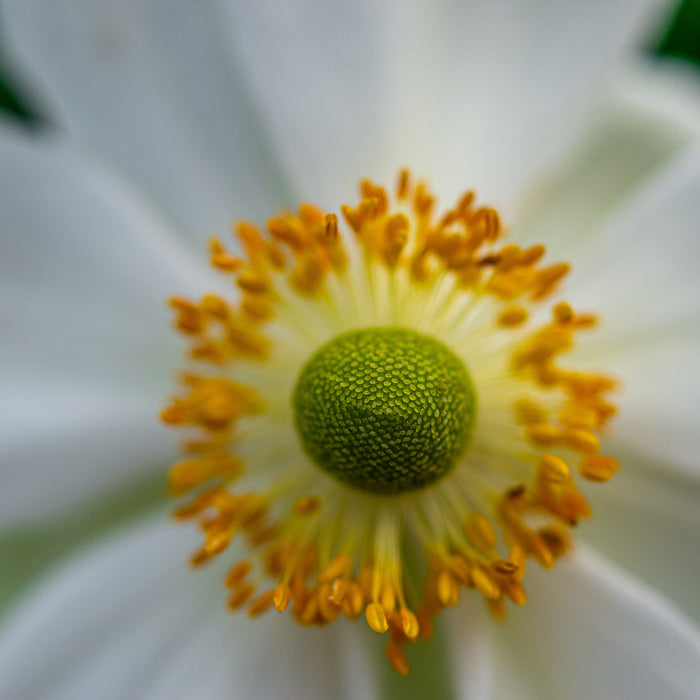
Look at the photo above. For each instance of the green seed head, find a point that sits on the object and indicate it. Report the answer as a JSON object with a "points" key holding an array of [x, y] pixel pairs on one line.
{"points": [[385, 410]]}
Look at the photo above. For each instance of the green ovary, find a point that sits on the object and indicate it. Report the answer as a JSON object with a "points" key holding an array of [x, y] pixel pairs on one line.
{"points": [[385, 410]]}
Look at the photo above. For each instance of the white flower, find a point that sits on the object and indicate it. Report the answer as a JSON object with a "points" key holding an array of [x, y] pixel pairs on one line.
{"points": [[198, 113]]}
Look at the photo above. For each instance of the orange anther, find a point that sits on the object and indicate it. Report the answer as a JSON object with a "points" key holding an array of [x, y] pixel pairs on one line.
{"points": [[261, 604], [598, 467], [397, 659], [240, 596], [563, 313], [281, 598], [403, 184], [554, 469], [582, 440], [447, 589], [376, 618], [480, 532], [352, 602], [307, 505], [409, 623], [512, 316], [331, 226], [543, 434], [505, 567], [528, 411], [484, 584], [336, 567], [253, 282], [237, 574]]}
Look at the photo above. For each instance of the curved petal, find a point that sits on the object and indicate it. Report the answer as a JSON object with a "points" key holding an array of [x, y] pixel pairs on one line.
{"points": [[640, 271], [86, 355], [648, 114], [647, 520], [480, 93], [149, 87], [471, 657], [659, 413], [76, 448], [128, 619], [641, 275], [589, 631], [321, 74]]}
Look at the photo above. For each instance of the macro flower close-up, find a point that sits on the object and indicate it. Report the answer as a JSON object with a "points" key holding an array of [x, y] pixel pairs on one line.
{"points": [[350, 350]]}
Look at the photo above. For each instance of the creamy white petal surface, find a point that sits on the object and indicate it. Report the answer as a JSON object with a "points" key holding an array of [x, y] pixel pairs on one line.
{"points": [[87, 354], [127, 619], [640, 270], [334, 89], [471, 654], [647, 112], [454, 89], [150, 88], [591, 631], [641, 273], [646, 519]]}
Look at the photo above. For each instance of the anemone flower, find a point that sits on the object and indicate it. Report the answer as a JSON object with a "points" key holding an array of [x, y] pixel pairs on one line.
{"points": [[396, 404]]}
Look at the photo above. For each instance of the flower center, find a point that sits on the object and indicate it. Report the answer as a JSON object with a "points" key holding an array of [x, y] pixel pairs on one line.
{"points": [[385, 410], [296, 457]]}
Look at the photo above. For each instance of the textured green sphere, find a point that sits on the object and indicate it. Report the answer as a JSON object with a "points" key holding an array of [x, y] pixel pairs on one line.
{"points": [[385, 410]]}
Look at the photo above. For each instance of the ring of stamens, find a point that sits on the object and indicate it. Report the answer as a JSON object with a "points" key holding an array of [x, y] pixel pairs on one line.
{"points": [[320, 546]]}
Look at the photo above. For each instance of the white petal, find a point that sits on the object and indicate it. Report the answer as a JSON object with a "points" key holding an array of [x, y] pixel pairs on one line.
{"points": [[471, 94], [659, 414], [129, 619], [641, 276], [476, 94], [640, 271], [321, 74], [87, 354], [647, 520], [649, 112], [590, 631], [74, 449], [471, 658], [149, 86]]}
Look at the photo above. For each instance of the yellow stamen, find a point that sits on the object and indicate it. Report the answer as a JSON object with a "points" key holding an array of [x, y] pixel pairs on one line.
{"points": [[484, 584], [447, 589], [409, 623], [598, 467], [261, 604], [283, 595], [320, 543], [512, 316], [376, 618]]}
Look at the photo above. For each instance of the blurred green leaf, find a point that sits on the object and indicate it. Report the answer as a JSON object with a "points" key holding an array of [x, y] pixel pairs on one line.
{"points": [[10, 100], [682, 38]]}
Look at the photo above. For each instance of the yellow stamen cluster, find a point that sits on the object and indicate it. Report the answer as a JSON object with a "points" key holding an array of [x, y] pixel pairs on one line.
{"points": [[327, 549]]}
